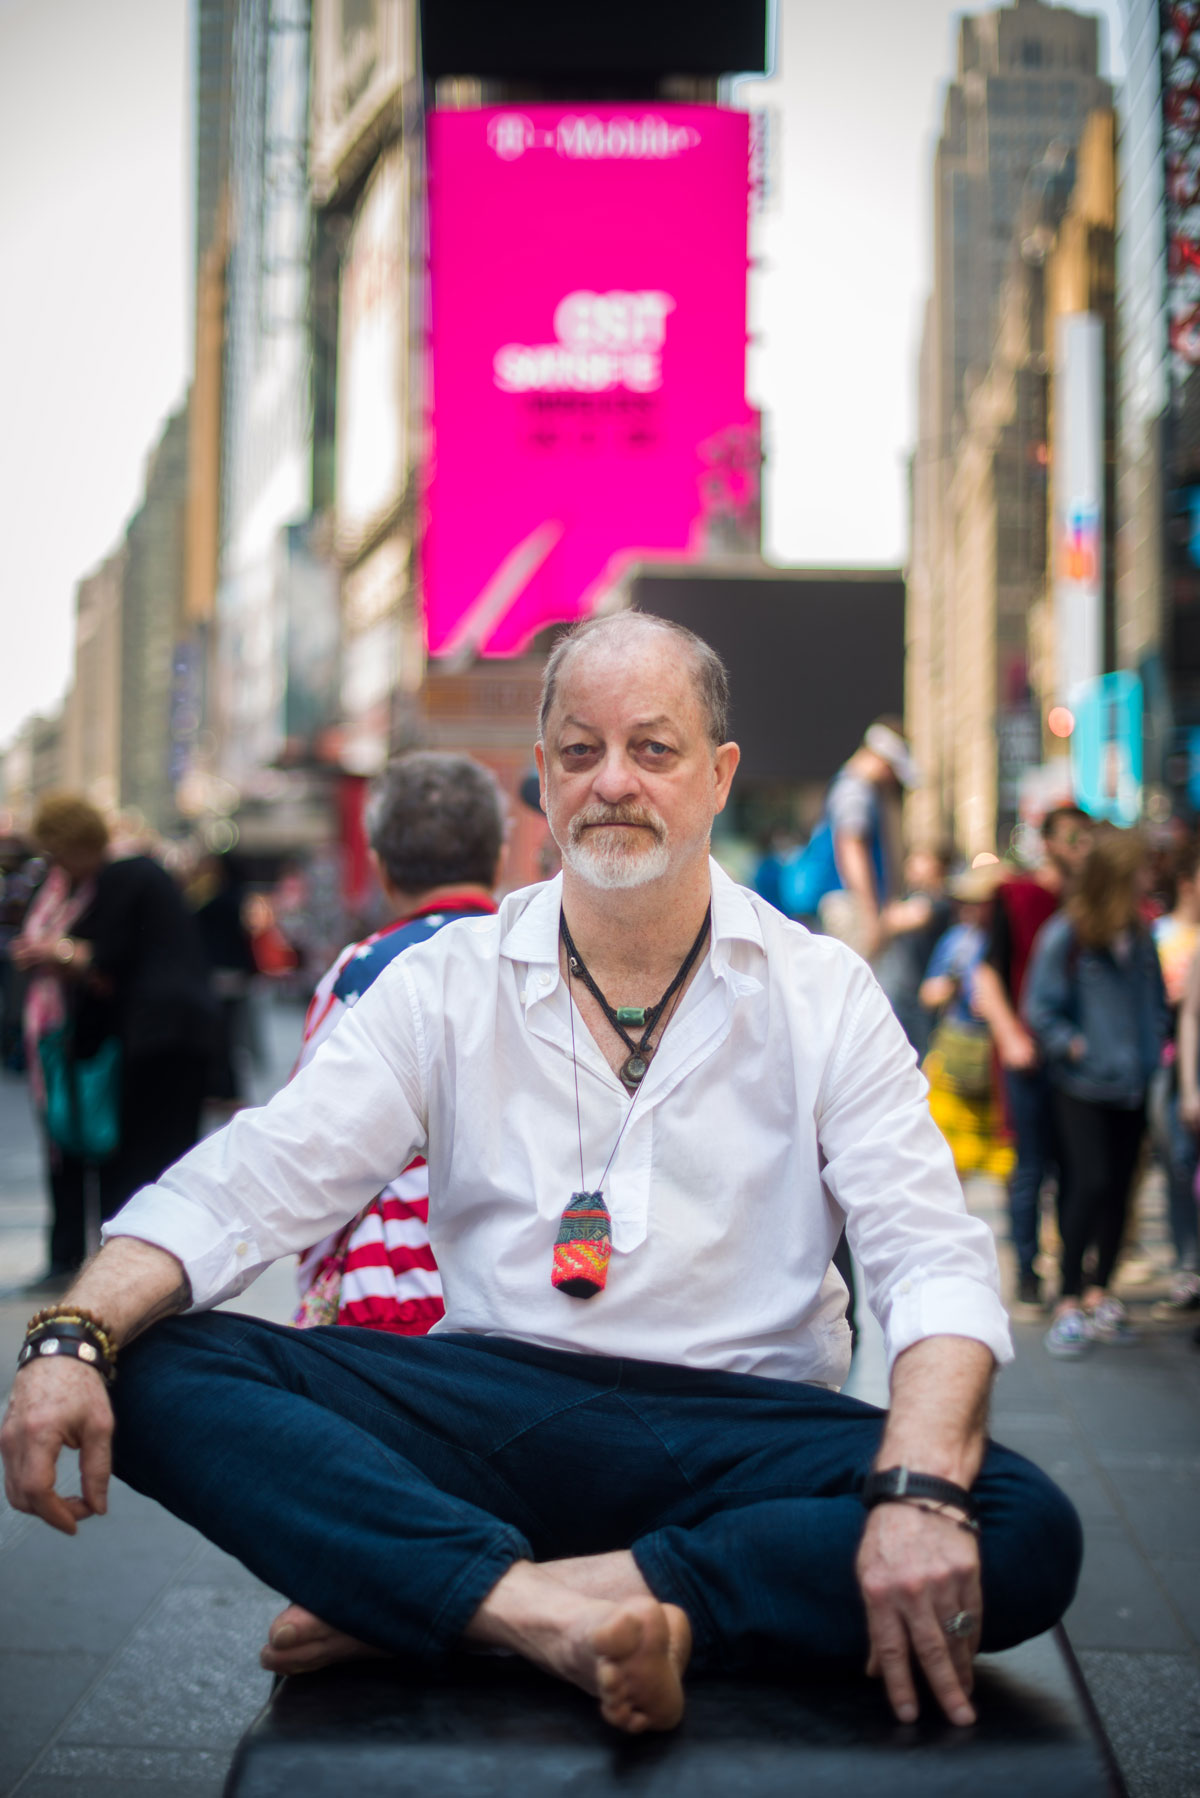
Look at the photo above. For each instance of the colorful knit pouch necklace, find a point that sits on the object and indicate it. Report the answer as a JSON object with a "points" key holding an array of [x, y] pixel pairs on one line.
{"points": [[583, 1246]]}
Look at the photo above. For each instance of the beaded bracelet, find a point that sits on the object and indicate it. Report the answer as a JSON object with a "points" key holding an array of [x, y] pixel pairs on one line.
{"points": [[951, 1513], [70, 1330], [75, 1314]]}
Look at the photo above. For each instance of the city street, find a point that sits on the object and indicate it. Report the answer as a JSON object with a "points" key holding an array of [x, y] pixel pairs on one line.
{"points": [[128, 1656]]}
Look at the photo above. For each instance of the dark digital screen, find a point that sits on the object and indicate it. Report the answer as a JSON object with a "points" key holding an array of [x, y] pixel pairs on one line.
{"points": [[812, 658], [564, 40]]}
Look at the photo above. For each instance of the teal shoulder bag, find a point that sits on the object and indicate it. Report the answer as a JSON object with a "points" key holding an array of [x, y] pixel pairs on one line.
{"points": [[83, 1098]]}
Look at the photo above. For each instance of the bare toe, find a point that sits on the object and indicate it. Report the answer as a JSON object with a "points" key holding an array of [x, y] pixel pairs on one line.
{"points": [[641, 1652], [299, 1642]]}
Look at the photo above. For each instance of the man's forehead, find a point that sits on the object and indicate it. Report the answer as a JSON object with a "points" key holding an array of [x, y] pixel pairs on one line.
{"points": [[582, 720]]}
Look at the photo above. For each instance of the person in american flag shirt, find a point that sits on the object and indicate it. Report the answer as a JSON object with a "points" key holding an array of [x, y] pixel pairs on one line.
{"points": [[435, 828]]}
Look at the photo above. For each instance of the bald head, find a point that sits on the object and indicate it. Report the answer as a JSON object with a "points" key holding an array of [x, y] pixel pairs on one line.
{"points": [[626, 634]]}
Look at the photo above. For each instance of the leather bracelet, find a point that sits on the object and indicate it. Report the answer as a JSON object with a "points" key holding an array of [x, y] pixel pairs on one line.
{"points": [[46, 1344], [888, 1485], [61, 1315]]}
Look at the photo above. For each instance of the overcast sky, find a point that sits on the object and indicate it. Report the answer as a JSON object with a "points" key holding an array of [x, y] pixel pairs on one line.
{"points": [[95, 219]]}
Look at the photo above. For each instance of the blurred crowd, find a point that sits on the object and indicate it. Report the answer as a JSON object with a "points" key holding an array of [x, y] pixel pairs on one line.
{"points": [[128, 975], [1054, 1007], [1055, 1010]]}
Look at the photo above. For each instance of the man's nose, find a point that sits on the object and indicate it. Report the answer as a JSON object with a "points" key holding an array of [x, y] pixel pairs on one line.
{"points": [[615, 778]]}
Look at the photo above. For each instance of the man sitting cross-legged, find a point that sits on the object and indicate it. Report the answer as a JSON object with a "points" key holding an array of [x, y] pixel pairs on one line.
{"points": [[648, 1103]]}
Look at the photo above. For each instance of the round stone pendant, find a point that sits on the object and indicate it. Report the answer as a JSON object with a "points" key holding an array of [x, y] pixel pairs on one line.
{"points": [[633, 1071]]}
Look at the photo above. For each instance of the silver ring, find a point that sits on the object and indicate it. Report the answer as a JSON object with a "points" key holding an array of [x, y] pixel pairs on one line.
{"points": [[961, 1624]]}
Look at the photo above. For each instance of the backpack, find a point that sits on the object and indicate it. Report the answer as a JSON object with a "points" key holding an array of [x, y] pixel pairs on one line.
{"points": [[805, 879]]}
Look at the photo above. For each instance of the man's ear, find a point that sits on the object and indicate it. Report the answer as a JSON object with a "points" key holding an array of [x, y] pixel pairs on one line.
{"points": [[539, 756], [725, 763]]}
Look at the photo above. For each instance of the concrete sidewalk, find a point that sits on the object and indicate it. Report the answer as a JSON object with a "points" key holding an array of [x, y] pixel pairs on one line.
{"points": [[129, 1654]]}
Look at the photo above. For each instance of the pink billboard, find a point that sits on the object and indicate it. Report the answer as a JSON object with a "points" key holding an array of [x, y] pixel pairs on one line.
{"points": [[588, 327]]}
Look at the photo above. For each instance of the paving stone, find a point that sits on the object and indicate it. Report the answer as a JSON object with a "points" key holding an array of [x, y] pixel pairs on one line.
{"points": [[88, 1591], [1137, 1413], [189, 1678], [1150, 1707], [1159, 1501], [13, 1524], [195, 1773], [1120, 1603], [1181, 1578], [1076, 1472], [37, 1692], [211, 1566], [150, 1786]]}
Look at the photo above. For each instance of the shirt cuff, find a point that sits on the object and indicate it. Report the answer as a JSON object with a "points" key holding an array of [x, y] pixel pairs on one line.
{"points": [[218, 1260], [946, 1305]]}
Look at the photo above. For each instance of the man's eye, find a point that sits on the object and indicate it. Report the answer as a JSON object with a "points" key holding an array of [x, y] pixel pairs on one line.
{"points": [[657, 750], [576, 751]]}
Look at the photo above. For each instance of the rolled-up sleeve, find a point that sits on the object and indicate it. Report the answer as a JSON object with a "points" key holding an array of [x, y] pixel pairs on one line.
{"points": [[930, 1268], [277, 1179]]}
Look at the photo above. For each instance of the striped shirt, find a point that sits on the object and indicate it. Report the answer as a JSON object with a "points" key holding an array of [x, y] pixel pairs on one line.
{"points": [[378, 1271]]}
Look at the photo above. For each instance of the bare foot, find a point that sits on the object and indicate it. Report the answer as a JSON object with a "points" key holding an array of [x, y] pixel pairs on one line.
{"points": [[298, 1642], [641, 1652], [629, 1652]]}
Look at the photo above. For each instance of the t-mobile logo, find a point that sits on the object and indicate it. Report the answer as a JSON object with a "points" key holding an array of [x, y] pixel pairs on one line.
{"points": [[648, 138]]}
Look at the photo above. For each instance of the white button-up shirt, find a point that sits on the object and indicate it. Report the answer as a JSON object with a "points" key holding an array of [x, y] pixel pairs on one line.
{"points": [[783, 1100]]}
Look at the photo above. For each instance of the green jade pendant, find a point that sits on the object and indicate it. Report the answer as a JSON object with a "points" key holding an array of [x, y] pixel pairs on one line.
{"points": [[631, 1014]]}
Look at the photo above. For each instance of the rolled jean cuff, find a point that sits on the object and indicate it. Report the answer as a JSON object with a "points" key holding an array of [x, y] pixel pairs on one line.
{"points": [[477, 1579], [671, 1584]]}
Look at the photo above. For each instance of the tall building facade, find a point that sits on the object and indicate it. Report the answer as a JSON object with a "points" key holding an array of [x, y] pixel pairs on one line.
{"points": [[1158, 312], [266, 492], [367, 172], [92, 717], [212, 23], [152, 630], [1027, 79]]}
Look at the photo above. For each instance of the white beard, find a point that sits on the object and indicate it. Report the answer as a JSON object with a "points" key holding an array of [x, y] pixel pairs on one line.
{"points": [[613, 863]]}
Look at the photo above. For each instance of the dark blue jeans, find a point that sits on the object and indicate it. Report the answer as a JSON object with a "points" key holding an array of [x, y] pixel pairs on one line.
{"points": [[1035, 1133], [388, 1482]]}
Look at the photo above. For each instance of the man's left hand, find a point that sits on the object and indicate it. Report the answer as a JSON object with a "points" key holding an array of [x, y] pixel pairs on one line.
{"points": [[919, 1570]]}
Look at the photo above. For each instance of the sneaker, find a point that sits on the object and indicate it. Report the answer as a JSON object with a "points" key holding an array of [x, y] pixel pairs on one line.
{"points": [[1029, 1288], [1109, 1322], [1184, 1296], [1069, 1336]]}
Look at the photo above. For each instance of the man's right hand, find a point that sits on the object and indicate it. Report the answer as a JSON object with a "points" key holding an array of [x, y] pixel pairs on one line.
{"points": [[57, 1404], [1017, 1050], [1189, 1109]]}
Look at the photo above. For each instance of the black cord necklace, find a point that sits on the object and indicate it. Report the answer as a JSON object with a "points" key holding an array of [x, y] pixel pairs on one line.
{"points": [[633, 1069], [583, 1245]]}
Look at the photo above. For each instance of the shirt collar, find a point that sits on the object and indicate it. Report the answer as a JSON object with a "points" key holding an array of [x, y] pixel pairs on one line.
{"points": [[533, 936]]}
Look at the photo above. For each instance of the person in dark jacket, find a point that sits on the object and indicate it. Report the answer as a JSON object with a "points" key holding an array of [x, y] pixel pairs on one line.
{"points": [[1095, 1002], [216, 896], [112, 952]]}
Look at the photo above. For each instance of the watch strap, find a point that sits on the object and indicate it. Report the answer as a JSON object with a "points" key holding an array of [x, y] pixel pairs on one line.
{"points": [[889, 1485]]}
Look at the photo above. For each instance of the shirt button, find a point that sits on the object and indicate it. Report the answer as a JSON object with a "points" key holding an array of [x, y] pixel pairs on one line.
{"points": [[906, 1285], [545, 979], [243, 1248]]}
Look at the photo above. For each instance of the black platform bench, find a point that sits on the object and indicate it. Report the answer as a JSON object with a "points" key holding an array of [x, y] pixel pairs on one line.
{"points": [[497, 1728]]}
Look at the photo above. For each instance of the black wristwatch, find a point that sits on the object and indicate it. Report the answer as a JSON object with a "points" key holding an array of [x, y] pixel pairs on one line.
{"points": [[889, 1485]]}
